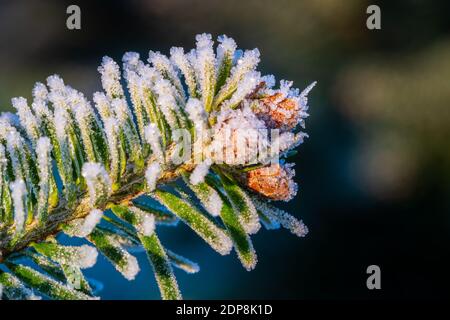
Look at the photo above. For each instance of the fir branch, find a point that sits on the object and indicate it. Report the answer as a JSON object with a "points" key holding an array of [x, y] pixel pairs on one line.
{"points": [[108, 171]]}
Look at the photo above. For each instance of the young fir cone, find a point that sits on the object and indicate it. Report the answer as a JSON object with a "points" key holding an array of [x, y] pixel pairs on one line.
{"points": [[274, 182], [276, 109]]}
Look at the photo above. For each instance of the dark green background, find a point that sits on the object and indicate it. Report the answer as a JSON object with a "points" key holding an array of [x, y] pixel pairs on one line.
{"points": [[374, 175]]}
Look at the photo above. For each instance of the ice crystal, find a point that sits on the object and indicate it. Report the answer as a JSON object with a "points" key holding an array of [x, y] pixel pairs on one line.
{"points": [[84, 227], [197, 115], [151, 175], [200, 171], [98, 182], [180, 60], [56, 83], [288, 221], [18, 194], [14, 145], [243, 65], [161, 63], [87, 256], [205, 69], [27, 118], [225, 49], [43, 149], [112, 137], [153, 137], [40, 92], [102, 105], [245, 87], [110, 73], [145, 222], [183, 263], [124, 262]]}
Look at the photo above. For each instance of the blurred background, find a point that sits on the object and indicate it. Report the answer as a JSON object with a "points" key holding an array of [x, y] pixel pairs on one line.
{"points": [[374, 175]]}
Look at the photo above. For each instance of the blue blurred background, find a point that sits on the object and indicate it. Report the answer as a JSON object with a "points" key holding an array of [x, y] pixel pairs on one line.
{"points": [[374, 175]]}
